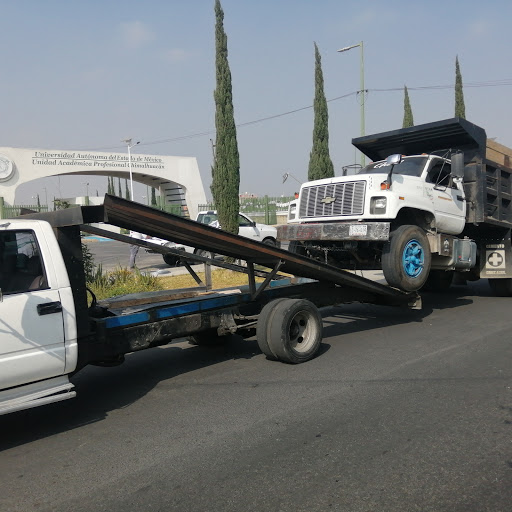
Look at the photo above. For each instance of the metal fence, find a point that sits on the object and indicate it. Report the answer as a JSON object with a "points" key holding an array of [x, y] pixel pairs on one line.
{"points": [[264, 208], [9, 212]]}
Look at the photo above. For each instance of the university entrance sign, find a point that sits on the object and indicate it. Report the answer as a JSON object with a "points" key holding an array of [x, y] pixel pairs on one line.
{"points": [[177, 178]]}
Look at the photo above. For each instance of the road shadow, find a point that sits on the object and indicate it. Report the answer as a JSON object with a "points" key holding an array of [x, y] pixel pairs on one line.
{"points": [[103, 390], [366, 317]]}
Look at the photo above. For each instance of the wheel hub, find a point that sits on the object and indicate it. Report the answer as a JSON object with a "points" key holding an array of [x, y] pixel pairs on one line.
{"points": [[413, 258]]}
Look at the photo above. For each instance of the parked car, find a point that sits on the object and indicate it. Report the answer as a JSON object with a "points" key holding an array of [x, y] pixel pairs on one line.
{"points": [[247, 227]]}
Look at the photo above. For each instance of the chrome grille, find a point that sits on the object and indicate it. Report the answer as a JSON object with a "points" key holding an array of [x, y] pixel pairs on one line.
{"points": [[333, 200]]}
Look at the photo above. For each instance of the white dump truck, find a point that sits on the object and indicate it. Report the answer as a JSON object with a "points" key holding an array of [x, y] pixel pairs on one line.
{"points": [[436, 202]]}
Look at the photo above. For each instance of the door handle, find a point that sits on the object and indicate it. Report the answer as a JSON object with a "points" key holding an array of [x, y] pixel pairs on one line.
{"points": [[48, 308], [460, 198]]}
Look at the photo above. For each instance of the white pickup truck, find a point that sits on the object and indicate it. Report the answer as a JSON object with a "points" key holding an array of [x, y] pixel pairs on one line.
{"points": [[247, 228], [37, 316], [52, 326]]}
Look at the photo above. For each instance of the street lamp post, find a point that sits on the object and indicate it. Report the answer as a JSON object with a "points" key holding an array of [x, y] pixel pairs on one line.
{"points": [[287, 175], [130, 146], [362, 91]]}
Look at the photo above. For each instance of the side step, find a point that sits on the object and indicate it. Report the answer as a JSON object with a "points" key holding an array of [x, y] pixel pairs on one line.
{"points": [[36, 394]]}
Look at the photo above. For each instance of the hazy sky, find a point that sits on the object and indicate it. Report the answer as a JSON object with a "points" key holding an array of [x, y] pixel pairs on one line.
{"points": [[84, 74]]}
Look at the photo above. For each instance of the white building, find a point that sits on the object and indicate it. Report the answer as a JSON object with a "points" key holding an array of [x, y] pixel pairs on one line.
{"points": [[176, 178]]}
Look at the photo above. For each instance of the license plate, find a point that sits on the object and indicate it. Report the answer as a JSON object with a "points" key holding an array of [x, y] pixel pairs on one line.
{"points": [[358, 230]]}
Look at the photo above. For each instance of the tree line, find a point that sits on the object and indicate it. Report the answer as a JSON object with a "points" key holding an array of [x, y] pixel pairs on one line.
{"points": [[111, 189]]}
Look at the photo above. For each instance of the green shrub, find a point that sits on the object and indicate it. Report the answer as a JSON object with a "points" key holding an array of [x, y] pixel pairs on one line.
{"points": [[89, 264], [121, 282]]}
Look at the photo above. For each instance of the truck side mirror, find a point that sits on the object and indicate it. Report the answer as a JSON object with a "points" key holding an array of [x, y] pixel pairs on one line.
{"points": [[394, 159], [458, 165]]}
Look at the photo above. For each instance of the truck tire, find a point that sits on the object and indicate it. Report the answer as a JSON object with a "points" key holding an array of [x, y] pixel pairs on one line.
{"points": [[270, 241], [438, 280], [170, 259], [204, 254], [501, 287], [262, 327], [406, 258], [295, 331]]}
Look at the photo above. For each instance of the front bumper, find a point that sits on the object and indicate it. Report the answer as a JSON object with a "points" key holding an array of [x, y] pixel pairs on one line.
{"points": [[335, 231]]}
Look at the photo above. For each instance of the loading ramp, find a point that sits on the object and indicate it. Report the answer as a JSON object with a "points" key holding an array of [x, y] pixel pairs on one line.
{"points": [[129, 215], [145, 219]]}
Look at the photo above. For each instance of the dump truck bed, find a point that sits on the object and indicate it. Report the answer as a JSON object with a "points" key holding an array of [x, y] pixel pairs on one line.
{"points": [[488, 164]]}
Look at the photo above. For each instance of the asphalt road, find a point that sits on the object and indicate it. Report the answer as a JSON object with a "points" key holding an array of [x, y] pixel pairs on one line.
{"points": [[113, 255], [401, 411]]}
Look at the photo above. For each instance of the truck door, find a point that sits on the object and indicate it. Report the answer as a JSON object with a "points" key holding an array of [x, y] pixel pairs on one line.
{"points": [[247, 228], [31, 319], [448, 198]]}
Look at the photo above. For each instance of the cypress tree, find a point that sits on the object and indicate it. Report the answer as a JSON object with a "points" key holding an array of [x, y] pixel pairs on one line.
{"points": [[408, 119], [153, 196], [320, 163], [460, 108], [226, 164], [126, 190]]}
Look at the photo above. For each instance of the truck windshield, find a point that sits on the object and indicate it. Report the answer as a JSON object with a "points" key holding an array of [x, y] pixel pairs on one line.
{"points": [[409, 166]]}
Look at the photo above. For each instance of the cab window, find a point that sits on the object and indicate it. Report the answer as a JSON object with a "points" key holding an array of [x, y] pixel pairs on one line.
{"points": [[440, 174], [21, 269], [243, 221]]}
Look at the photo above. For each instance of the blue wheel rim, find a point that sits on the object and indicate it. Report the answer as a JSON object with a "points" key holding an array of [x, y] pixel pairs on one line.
{"points": [[413, 258]]}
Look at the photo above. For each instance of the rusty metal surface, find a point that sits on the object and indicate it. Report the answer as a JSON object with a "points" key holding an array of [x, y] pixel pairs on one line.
{"points": [[69, 216], [333, 231], [144, 219]]}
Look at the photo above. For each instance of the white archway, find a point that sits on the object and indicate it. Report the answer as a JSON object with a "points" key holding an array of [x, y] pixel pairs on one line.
{"points": [[177, 178]]}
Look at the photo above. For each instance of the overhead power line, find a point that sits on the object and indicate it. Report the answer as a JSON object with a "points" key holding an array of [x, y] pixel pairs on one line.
{"points": [[489, 83]]}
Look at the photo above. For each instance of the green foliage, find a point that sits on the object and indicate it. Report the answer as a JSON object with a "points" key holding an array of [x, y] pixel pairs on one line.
{"points": [[408, 119], [226, 164], [89, 265], [121, 282], [61, 204], [320, 163], [264, 209], [153, 197], [126, 190], [460, 108]]}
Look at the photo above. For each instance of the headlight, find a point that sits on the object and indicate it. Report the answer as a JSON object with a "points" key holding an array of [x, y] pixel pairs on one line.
{"points": [[378, 205]]}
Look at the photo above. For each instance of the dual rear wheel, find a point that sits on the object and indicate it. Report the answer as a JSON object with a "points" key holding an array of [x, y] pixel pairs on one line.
{"points": [[289, 330]]}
